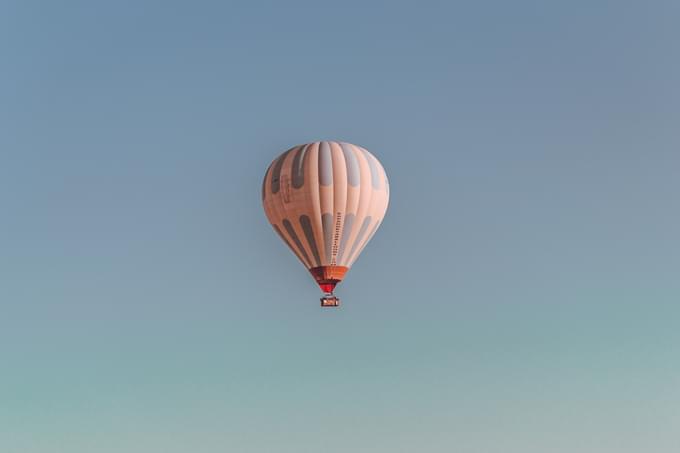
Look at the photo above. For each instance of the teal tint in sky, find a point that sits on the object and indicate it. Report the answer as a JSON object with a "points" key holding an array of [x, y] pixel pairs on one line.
{"points": [[522, 295]]}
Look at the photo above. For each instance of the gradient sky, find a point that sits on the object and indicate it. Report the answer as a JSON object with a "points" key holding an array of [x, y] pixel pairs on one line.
{"points": [[521, 296]]}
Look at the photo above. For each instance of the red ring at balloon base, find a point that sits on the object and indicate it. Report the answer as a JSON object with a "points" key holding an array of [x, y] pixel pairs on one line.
{"points": [[328, 276]]}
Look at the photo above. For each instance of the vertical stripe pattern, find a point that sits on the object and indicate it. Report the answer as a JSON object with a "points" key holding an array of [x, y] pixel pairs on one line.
{"points": [[327, 221], [291, 232], [325, 200], [309, 234]]}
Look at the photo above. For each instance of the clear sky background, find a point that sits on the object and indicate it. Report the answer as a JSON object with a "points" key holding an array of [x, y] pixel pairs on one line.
{"points": [[522, 294]]}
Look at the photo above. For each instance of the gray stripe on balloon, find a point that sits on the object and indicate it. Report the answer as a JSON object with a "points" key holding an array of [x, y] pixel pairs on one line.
{"points": [[264, 182], [368, 239], [299, 167], [346, 230], [309, 234], [375, 172], [360, 236], [325, 164], [296, 240], [327, 222], [353, 172], [276, 175]]}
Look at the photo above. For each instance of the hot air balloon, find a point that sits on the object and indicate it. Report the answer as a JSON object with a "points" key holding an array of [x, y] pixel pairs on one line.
{"points": [[326, 200]]}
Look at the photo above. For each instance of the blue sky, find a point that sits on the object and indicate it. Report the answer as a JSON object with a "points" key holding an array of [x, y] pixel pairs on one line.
{"points": [[532, 147]]}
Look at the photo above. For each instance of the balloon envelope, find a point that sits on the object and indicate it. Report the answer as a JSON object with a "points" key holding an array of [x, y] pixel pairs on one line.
{"points": [[326, 200]]}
